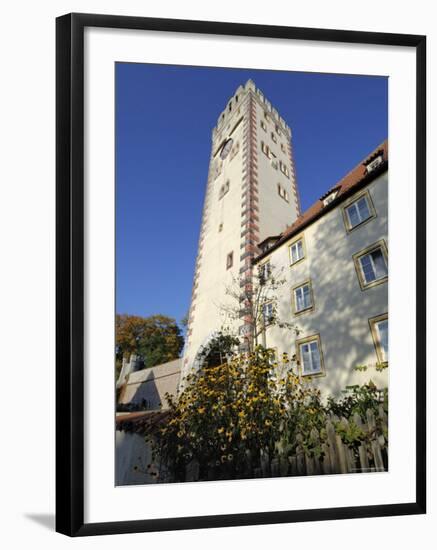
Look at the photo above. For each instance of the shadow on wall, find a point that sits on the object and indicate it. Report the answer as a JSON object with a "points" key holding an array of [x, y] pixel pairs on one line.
{"points": [[148, 391], [151, 385], [341, 309]]}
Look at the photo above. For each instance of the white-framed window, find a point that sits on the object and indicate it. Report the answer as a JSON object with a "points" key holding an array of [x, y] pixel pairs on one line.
{"points": [[283, 149], [263, 125], [373, 266], [229, 260], [358, 212], [274, 139], [310, 355], [267, 312], [379, 330], [265, 149], [302, 296], [297, 251], [265, 270]]}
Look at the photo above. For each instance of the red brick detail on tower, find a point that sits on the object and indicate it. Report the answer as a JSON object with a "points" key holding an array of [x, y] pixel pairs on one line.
{"points": [[293, 177], [249, 206]]}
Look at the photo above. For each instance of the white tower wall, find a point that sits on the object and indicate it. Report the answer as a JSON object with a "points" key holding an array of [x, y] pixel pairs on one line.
{"points": [[243, 205]]}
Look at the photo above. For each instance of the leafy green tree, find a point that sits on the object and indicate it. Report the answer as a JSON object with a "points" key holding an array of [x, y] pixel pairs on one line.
{"points": [[156, 339]]}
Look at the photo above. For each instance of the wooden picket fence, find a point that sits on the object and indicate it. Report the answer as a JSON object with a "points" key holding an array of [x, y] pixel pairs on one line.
{"points": [[336, 456]]}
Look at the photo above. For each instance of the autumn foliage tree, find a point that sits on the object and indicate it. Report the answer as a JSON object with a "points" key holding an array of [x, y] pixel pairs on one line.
{"points": [[156, 339]]}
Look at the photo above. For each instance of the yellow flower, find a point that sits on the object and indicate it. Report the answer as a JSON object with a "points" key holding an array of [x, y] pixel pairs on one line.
{"points": [[268, 422], [201, 410], [221, 430]]}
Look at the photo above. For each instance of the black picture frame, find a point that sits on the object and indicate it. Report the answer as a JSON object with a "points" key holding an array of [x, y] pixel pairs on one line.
{"points": [[70, 273]]}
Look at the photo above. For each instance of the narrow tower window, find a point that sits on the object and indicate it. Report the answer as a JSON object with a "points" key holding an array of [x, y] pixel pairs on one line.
{"points": [[224, 189], [229, 260], [283, 193]]}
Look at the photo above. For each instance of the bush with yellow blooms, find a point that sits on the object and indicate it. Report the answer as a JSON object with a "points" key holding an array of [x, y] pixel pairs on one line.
{"points": [[229, 416]]}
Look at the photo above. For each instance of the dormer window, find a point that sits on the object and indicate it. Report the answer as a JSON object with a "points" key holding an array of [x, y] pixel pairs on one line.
{"points": [[330, 198], [372, 165], [268, 243]]}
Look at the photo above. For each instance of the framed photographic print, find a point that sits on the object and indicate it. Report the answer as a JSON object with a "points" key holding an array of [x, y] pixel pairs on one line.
{"points": [[240, 249]]}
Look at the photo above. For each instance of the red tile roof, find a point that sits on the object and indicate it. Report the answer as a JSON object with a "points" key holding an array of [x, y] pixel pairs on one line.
{"points": [[357, 177]]}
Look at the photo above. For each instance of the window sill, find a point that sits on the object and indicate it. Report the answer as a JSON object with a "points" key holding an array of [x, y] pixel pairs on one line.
{"points": [[317, 374], [297, 261], [305, 310], [366, 286], [350, 229]]}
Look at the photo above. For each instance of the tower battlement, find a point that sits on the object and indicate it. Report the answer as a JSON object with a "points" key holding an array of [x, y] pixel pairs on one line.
{"points": [[234, 103]]}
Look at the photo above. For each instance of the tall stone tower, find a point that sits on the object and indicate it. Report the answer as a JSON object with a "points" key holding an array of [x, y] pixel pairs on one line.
{"points": [[251, 194]]}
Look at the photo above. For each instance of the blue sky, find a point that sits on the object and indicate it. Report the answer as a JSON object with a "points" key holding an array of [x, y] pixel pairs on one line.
{"points": [[164, 118]]}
